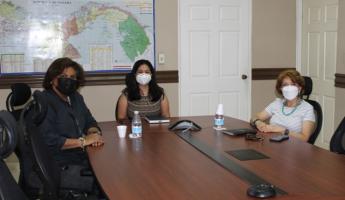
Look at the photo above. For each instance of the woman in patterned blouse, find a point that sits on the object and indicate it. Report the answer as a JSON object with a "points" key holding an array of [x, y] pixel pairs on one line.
{"points": [[142, 93]]}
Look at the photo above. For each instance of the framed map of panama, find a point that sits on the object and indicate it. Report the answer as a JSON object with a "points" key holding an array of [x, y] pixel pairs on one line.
{"points": [[102, 35]]}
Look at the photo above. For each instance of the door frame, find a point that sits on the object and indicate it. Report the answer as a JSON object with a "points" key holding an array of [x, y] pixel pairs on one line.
{"points": [[249, 92], [299, 20]]}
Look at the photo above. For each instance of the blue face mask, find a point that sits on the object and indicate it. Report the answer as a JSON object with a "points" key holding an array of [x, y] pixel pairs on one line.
{"points": [[67, 86]]}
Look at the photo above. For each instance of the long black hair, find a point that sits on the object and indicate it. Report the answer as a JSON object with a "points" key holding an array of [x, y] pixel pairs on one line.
{"points": [[132, 87], [57, 67]]}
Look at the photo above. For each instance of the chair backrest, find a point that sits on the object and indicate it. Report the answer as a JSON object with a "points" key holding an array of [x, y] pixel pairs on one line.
{"points": [[28, 178], [318, 122], [116, 109], [308, 86], [48, 171], [19, 95], [337, 143], [8, 186], [8, 139], [317, 109]]}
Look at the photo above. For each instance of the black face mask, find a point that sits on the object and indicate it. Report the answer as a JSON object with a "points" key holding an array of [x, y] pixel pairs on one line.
{"points": [[67, 86]]}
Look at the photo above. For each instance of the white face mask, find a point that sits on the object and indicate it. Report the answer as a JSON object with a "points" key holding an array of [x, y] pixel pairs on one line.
{"points": [[143, 78], [290, 92]]}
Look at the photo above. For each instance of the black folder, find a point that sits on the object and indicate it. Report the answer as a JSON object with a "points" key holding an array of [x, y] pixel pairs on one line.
{"points": [[239, 131]]}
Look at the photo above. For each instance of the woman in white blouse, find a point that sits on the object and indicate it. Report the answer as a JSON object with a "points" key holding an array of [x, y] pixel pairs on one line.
{"points": [[289, 114]]}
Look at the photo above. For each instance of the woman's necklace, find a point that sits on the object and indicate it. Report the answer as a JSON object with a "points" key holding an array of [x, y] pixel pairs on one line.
{"points": [[293, 110]]}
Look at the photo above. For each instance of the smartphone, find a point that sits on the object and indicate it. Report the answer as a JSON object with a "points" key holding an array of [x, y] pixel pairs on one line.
{"points": [[250, 136], [279, 138]]}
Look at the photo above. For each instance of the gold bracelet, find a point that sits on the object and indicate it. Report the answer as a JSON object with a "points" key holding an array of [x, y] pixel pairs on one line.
{"points": [[82, 141]]}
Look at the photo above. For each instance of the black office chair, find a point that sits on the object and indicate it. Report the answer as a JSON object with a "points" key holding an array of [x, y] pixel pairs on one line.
{"points": [[50, 174], [337, 143], [28, 180], [8, 186], [317, 109], [116, 109], [19, 95], [28, 177]]}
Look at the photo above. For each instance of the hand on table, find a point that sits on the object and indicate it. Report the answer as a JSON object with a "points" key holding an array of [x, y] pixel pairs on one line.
{"points": [[94, 139], [267, 128]]}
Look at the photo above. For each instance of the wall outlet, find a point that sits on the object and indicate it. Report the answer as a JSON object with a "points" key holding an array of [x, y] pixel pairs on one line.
{"points": [[161, 58]]}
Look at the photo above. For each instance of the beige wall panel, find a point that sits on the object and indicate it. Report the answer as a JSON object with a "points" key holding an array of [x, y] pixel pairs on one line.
{"points": [[339, 105], [101, 100], [262, 94], [273, 33], [166, 33], [273, 44], [172, 91], [3, 95]]}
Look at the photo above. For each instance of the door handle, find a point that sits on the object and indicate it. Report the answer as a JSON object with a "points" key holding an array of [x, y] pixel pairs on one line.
{"points": [[244, 77]]}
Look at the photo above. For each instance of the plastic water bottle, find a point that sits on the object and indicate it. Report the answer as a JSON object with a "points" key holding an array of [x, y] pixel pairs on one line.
{"points": [[219, 118], [136, 125]]}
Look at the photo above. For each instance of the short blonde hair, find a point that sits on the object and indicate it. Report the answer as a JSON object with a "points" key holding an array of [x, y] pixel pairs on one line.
{"points": [[295, 77]]}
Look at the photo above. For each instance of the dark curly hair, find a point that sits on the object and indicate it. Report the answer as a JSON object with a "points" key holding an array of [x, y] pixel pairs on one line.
{"points": [[132, 87], [57, 67]]}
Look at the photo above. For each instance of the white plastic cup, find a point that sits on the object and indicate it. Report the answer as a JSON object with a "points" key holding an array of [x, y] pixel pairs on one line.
{"points": [[121, 130]]}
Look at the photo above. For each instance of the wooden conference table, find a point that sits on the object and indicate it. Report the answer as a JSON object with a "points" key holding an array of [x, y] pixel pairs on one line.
{"points": [[161, 165]]}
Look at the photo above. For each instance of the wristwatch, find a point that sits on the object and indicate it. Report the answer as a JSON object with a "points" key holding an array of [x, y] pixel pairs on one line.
{"points": [[286, 132], [82, 141], [253, 123]]}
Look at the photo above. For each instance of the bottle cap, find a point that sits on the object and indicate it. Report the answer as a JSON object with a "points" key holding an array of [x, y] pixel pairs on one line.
{"points": [[136, 112], [220, 110]]}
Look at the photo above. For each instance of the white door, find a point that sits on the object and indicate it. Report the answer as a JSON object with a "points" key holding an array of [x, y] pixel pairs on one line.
{"points": [[319, 50], [214, 52]]}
